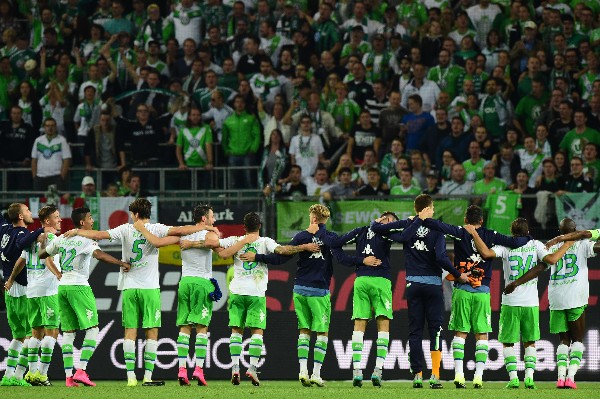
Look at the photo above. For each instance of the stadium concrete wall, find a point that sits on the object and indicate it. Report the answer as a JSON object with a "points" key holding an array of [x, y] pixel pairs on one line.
{"points": [[279, 357]]}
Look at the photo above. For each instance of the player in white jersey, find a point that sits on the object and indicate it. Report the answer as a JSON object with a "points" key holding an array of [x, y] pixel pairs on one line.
{"points": [[42, 295], [141, 289], [76, 301], [248, 305], [568, 293], [197, 290], [520, 313]]}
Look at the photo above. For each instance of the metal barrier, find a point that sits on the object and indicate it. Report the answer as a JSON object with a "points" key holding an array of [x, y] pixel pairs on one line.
{"points": [[183, 187], [170, 181]]}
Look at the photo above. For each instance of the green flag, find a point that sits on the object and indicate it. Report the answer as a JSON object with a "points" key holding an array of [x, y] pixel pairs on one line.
{"points": [[583, 208]]}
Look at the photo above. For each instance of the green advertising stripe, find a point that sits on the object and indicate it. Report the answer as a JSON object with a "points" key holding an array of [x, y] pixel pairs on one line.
{"points": [[292, 217]]}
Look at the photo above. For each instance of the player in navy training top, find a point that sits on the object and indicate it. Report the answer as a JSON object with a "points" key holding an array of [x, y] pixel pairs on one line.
{"points": [[372, 291], [425, 253], [471, 310], [14, 238], [311, 291]]}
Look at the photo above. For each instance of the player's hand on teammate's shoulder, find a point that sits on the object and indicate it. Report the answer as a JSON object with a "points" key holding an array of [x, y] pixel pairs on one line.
{"points": [[470, 228], [426, 213], [49, 229], [138, 225], [248, 238], [214, 230], [311, 247], [248, 257], [313, 228], [70, 233], [371, 261]]}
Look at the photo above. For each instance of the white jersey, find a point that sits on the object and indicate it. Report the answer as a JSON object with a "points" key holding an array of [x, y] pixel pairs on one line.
{"points": [[40, 280], [142, 255], [196, 262], [75, 257], [515, 263], [249, 278], [569, 286]]}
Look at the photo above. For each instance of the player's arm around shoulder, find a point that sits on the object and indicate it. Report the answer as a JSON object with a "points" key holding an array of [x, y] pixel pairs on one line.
{"points": [[91, 234], [190, 229], [594, 235], [236, 246], [103, 256], [555, 256], [481, 246], [294, 249], [158, 242]]}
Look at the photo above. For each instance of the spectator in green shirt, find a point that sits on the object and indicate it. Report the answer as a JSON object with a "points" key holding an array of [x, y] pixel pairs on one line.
{"points": [[474, 165], [530, 107], [575, 140], [241, 140], [489, 184]]}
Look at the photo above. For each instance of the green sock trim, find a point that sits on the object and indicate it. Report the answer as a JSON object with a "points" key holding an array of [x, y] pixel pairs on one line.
{"points": [[183, 345], [235, 346], [382, 347], [319, 351], [458, 351], [255, 348], [303, 348], [201, 346], [510, 363], [481, 353], [87, 350], [47, 355], [67, 352], [129, 360], [357, 348], [32, 355], [575, 358], [562, 360], [149, 360], [530, 362]]}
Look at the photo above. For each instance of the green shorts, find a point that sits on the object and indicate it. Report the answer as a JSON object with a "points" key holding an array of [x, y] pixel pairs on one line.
{"points": [[471, 312], [43, 312], [16, 313], [247, 311], [193, 304], [77, 307], [313, 312], [372, 296], [519, 322], [559, 319], [144, 303]]}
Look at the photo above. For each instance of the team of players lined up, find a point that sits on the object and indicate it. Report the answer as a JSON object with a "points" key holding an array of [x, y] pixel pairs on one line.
{"points": [[40, 295]]}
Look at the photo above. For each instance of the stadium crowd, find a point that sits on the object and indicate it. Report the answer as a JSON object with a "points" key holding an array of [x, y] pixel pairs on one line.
{"points": [[365, 97]]}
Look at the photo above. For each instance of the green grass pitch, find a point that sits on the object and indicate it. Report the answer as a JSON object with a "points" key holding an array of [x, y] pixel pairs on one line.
{"points": [[293, 389]]}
